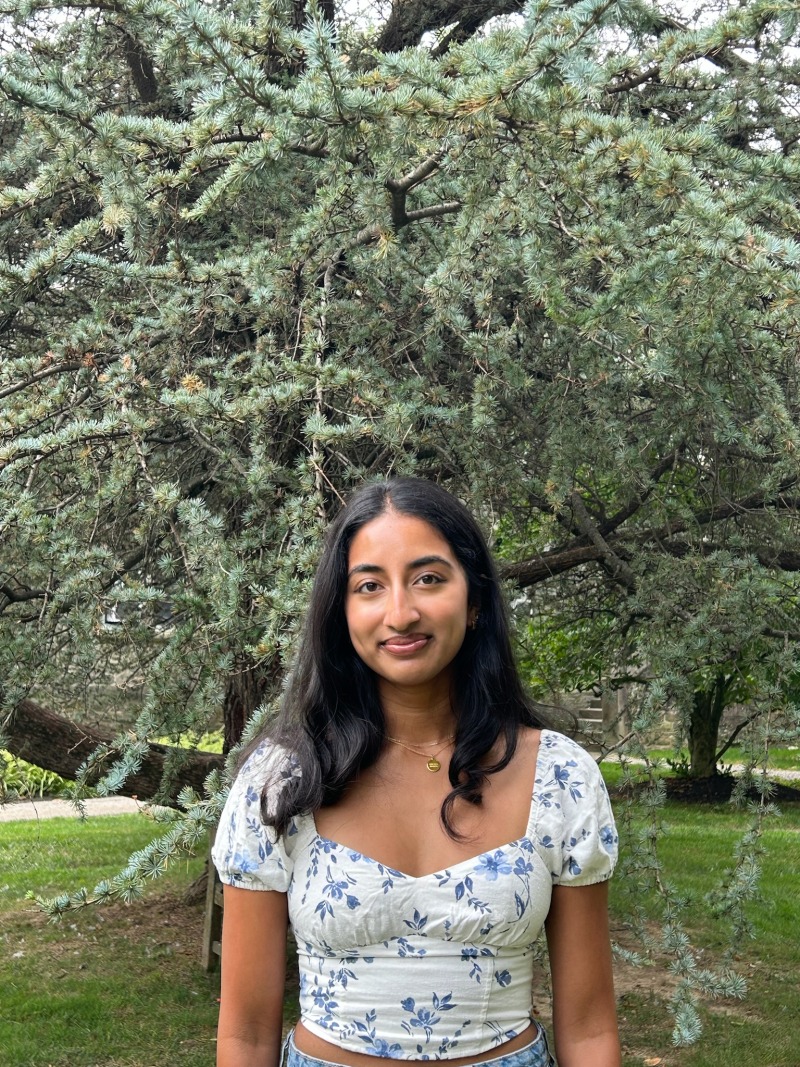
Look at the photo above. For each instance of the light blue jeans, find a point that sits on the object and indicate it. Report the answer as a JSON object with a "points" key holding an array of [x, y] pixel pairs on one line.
{"points": [[536, 1054]]}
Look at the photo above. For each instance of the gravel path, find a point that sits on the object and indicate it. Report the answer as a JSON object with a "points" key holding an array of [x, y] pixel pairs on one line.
{"points": [[27, 810], [779, 775]]}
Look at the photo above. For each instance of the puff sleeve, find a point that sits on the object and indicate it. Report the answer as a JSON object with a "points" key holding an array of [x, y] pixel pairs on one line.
{"points": [[246, 853], [590, 843]]}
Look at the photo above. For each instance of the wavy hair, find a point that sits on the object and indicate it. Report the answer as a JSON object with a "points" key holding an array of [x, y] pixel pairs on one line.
{"points": [[331, 718]]}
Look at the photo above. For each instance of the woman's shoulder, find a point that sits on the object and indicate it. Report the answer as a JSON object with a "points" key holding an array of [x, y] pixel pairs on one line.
{"points": [[562, 758], [248, 852], [269, 765], [573, 807], [556, 742], [267, 754], [549, 743]]}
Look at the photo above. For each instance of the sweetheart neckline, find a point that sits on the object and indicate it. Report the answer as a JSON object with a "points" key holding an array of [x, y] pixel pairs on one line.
{"points": [[470, 859], [516, 843]]}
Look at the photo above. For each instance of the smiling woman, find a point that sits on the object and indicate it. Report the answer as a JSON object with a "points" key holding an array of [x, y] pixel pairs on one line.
{"points": [[340, 822], [407, 606]]}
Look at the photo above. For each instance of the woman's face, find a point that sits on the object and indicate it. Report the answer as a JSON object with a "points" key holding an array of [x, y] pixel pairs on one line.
{"points": [[407, 600]]}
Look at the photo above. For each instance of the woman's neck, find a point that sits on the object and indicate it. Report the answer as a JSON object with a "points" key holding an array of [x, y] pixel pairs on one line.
{"points": [[422, 713]]}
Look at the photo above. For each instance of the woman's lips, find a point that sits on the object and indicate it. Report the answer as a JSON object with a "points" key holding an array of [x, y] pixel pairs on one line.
{"points": [[405, 646]]}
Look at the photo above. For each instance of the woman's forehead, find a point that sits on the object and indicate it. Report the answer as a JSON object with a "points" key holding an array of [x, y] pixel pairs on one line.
{"points": [[393, 535]]}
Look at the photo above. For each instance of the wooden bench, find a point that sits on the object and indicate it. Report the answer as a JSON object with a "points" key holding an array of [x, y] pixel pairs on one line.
{"points": [[212, 925]]}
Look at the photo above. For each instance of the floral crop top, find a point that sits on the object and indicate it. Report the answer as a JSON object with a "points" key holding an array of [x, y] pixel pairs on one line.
{"points": [[427, 967]]}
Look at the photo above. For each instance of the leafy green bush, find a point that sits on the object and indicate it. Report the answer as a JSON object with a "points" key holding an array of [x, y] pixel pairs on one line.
{"points": [[20, 779], [210, 741]]}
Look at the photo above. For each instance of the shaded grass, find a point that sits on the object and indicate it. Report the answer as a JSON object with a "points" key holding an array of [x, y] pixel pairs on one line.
{"points": [[764, 1029], [117, 986], [780, 759]]}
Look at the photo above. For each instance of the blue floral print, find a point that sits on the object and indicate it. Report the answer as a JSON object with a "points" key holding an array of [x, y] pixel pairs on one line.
{"points": [[336, 890], [405, 948], [367, 1033], [418, 923], [492, 865], [608, 838], [470, 928], [426, 1019], [471, 954]]}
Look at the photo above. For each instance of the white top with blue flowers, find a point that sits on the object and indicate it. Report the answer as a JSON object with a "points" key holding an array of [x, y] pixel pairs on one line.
{"points": [[427, 967]]}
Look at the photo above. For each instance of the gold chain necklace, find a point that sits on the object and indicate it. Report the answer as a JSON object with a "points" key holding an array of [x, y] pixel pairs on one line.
{"points": [[433, 763]]}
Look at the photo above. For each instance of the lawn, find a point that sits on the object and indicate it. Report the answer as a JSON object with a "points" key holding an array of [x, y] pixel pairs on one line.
{"points": [[119, 986], [764, 1029], [122, 986], [780, 759]]}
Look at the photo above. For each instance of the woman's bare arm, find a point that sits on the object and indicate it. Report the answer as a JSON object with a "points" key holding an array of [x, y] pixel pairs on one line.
{"points": [[253, 974], [584, 1008]]}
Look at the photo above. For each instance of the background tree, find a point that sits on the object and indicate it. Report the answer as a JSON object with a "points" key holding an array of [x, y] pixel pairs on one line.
{"points": [[256, 252]]}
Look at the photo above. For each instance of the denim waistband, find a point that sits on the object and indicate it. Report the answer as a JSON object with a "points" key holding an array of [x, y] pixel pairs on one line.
{"points": [[535, 1054]]}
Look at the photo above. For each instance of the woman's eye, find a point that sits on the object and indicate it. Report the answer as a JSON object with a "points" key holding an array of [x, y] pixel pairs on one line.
{"points": [[367, 587], [429, 579]]}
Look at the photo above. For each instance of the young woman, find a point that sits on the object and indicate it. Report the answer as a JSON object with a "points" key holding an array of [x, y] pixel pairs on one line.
{"points": [[416, 824]]}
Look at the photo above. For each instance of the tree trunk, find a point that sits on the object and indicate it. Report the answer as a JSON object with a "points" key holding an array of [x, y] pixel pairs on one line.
{"points": [[707, 708], [37, 735], [245, 690], [411, 19]]}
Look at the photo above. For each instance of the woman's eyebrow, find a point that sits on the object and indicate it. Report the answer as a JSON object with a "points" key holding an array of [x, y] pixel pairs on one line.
{"points": [[363, 568], [423, 561]]}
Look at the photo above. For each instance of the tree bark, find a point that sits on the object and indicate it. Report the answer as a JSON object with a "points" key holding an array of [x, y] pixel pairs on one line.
{"points": [[327, 9], [245, 690], [141, 68], [39, 736], [411, 19], [707, 708]]}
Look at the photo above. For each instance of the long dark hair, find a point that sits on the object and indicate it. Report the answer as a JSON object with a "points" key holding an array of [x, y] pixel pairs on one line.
{"points": [[331, 719]]}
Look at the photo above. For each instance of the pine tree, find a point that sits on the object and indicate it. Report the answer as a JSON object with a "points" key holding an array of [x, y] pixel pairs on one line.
{"points": [[256, 252]]}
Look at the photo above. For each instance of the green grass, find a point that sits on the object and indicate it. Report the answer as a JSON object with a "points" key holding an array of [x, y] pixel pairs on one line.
{"points": [[786, 759], [122, 986], [764, 1029], [119, 986]]}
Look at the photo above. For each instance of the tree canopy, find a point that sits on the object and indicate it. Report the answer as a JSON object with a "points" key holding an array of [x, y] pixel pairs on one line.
{"points": [[256, 252]]}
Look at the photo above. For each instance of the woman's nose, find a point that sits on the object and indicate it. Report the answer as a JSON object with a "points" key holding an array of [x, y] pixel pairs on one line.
{"points": [[401, 612]]}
